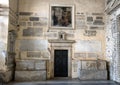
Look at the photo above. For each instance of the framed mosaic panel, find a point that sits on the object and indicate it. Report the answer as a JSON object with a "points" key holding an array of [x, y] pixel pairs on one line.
{"points": [[62, 16]]}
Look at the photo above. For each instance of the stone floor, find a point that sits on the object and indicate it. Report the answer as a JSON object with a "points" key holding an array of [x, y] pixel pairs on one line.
{"points": [[65, 82]]}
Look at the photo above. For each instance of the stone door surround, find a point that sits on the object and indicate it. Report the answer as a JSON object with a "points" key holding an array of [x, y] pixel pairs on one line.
{"points": [[61, 44]]}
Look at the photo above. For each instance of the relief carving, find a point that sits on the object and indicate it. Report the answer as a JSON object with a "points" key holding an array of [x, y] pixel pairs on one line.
{"points": [[91, 65]]}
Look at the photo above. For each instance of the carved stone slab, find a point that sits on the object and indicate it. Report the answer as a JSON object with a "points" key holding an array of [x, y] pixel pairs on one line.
{"points": [[89, 65]]}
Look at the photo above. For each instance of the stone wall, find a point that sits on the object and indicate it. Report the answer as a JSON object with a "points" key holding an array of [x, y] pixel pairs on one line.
{"points": [[113, 40], [30, 70], [35, 30]]}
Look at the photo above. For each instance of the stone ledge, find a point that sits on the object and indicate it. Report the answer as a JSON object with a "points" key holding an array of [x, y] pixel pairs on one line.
{"points": [[93, 74], [30, 75]]}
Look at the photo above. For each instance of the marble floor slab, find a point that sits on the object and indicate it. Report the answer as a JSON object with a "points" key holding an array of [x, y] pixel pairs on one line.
{"points": [[65, 82]]}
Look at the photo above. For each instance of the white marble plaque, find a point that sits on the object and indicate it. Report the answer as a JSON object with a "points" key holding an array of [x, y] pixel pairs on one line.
{"points": [[33, 45], [88, 46]]}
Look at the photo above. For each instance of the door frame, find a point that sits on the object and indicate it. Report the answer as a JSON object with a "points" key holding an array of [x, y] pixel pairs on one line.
{"points": [[61, 46]]}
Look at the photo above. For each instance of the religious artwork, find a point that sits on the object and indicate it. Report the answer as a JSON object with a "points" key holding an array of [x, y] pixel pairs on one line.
{"points": [[61, 16]]}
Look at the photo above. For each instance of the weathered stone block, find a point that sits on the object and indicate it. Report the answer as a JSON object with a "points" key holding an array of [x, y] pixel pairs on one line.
{"points": [[25, 65], [92, 74], [40, 65], [30, 75]]}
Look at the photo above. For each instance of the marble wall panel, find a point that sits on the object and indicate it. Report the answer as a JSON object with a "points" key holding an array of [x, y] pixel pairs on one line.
{"points": [[88, 46], [33, 45]]}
